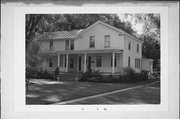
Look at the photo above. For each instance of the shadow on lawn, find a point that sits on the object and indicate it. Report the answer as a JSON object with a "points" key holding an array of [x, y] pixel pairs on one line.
{"points": [[52, 92]]}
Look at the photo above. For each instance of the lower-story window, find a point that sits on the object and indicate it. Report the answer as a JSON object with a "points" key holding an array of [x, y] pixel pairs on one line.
{"points": [[137, 63], [98, 61], [129, 61]]}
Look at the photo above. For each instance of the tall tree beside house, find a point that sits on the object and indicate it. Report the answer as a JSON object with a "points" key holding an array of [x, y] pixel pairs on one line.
{"points": [[150, 35]]}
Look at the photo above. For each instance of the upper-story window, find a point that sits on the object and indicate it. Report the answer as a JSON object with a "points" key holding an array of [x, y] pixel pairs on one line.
{"points": [[72, 45], [129, 46], [92, 42], [107, 41], [69, 45], [51, 45], [137, 47]]}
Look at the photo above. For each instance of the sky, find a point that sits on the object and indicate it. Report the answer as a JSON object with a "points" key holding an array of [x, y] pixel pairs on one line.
{"points": [[137, 27]]}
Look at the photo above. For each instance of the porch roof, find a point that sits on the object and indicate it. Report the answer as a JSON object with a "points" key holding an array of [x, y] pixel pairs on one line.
{"points": [[91, 51]]}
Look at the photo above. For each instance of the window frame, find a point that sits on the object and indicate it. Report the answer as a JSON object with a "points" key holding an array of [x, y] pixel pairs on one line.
{"points": [[67, 45], [107, 41], [129, 61], [137, 63], [98, 58], [90, 42], [51, 43], [138, 48], [71, 44], [129, 45]]}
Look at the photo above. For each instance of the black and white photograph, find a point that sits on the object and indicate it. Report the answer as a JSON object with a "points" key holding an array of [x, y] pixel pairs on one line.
{"points": [[92, 59]]}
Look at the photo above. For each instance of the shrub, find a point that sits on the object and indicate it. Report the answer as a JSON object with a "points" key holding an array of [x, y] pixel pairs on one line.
{"points": [[90, 75], [144, 75], [56, 71], [130, 76], [40, 74], [31, 72], [47, 75]]}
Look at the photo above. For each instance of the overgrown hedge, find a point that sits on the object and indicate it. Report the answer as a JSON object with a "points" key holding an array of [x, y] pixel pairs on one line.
{"points": [[38, 74], [129, 76]]}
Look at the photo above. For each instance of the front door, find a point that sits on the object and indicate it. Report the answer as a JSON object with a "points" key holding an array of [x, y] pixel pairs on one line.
{"points": [[80, 59]]}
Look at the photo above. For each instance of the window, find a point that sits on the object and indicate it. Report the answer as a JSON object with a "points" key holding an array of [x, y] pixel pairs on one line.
{"points": [[51, 45], [50, 63], [129, 61], [137, 63], [129, 46], [98, 61], [67, 45], [115, 64], [137, 47], [107, 41], [72, 45], [71, 64], [92, 42]]}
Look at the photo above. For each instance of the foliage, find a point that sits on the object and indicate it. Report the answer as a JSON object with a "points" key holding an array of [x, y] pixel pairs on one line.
{"points": [[144, 75], [56, 71], [151, 48], [150, 35], [34, 73], [91, 75], [40, 23], [129, 75]]}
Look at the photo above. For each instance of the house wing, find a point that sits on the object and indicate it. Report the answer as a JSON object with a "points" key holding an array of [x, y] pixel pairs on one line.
{"points": [[111, 27]]}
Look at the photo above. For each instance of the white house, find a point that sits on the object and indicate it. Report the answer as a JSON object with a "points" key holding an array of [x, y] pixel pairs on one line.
{"points": [[99, 47]]}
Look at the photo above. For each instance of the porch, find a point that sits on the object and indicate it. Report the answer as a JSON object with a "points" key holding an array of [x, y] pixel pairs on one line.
{"points": [[107, 61]]}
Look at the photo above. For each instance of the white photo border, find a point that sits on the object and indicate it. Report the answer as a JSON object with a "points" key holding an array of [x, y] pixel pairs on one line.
{"points": [[19, 58]]}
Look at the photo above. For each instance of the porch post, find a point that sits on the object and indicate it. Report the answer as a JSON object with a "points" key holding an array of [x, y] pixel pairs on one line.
{"points": [[85, 57], [113, 58], [67, 55], [58, 59]]}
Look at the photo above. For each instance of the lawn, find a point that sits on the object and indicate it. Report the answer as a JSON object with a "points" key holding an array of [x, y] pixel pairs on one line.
{"points": [[49, 92], [144, 95]]}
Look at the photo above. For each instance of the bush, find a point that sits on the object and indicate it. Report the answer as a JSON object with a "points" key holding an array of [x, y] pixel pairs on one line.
{"points": [[38, 74], [130, 76], [144, 75], [47, 75], [91, 75], [31, 72]]}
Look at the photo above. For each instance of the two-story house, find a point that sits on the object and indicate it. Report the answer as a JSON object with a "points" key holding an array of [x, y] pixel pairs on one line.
{"points": [[99, 47]]}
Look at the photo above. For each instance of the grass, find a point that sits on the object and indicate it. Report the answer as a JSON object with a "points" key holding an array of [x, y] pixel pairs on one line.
{"points": [[49, 92], [143, 95]]}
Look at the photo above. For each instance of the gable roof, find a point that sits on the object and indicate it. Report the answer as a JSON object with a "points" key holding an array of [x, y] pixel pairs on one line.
{"points": [[59, 35], [112, 27], [75, 33]]}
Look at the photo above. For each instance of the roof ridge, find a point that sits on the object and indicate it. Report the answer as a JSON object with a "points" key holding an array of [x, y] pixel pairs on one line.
{"points": [[64, 31]]}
